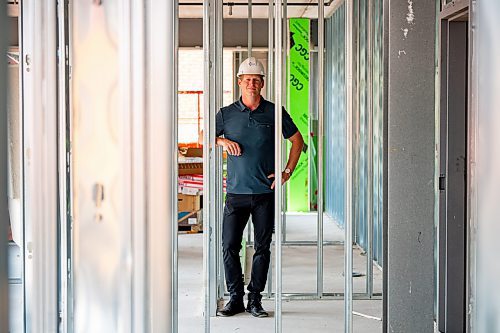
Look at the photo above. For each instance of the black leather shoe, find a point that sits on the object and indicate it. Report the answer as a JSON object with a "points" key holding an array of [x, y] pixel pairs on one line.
{"points": [[254, 307], [232, 307]]}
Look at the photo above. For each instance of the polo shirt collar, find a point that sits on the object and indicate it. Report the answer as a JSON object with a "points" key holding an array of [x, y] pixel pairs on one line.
{"points": [[242, 106]]}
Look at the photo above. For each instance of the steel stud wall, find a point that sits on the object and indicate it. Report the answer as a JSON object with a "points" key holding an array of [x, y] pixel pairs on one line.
{"points": [[335, 123], [378, 130], [335, 115], [363, 131]]}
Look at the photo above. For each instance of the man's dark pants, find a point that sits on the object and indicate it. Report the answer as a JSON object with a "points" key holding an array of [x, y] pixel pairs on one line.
{"points": [[237, 210]]}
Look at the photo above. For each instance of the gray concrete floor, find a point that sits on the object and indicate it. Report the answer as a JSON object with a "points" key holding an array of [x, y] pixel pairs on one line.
{"points": [[299, 275]]}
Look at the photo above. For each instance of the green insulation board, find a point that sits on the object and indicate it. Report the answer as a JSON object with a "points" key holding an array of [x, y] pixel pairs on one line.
{"points": [[298, 107]]}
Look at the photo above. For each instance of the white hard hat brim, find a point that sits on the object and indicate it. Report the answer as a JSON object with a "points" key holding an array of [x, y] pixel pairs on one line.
{"points": [[251, 66], [240, 74]]}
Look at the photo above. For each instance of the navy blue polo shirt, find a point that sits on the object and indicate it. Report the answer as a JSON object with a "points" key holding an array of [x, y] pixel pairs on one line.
{"points": [[254, 132]]}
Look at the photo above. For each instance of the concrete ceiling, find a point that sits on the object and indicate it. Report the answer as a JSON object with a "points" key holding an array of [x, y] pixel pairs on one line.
{"points": [[296, 8]]}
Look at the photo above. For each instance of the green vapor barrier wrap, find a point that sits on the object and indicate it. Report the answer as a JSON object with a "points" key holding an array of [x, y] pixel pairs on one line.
{"points": [[298, 107]]}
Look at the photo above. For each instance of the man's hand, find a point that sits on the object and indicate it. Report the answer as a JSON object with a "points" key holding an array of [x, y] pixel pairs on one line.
{"points": [[232, 148], [284, 178]]}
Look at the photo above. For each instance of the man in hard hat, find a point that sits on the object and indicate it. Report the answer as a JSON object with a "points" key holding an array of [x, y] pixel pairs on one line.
{"points": [[247, 127]]}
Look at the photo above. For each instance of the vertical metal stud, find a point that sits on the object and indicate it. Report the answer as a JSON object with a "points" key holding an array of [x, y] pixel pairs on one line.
{"points": [[138, 98], [278, 14], [270, 97], [206, 160], [349, 7], [250, 37], [174, 137], [212, 47], [219, 204], [384, 184], [321, 57], [472, 181], [65, 177], [369, 231], [270, 51], [39, 80], [218, 153], [284, 91], [356, 121], [159, 136]]}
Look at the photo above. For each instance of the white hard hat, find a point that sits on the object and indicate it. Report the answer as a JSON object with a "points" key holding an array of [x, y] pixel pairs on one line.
{"points": [[251, 66]]}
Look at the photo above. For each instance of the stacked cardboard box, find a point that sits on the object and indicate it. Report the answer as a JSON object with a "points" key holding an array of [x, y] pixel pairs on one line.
{"points": [[191, 161], [189, 203], [190, 189], [190, 184], [190, 216]]}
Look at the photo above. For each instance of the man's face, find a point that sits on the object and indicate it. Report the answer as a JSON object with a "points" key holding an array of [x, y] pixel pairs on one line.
{"points": [[251, 84]]}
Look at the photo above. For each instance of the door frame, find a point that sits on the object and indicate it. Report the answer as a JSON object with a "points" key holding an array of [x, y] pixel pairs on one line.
{"points": [[454, 94]]}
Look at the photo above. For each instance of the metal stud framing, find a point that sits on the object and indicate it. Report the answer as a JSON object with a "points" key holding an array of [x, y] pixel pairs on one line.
{"points": [[321, 60], [65, 178], [270, 96], [166, 299], [349, 173], [174, 60], [472, 183], [278, 87], [212, 42], [218, 150], [161, 135], [206, 162], [250, 36], [40, 172], [369, 231]]}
